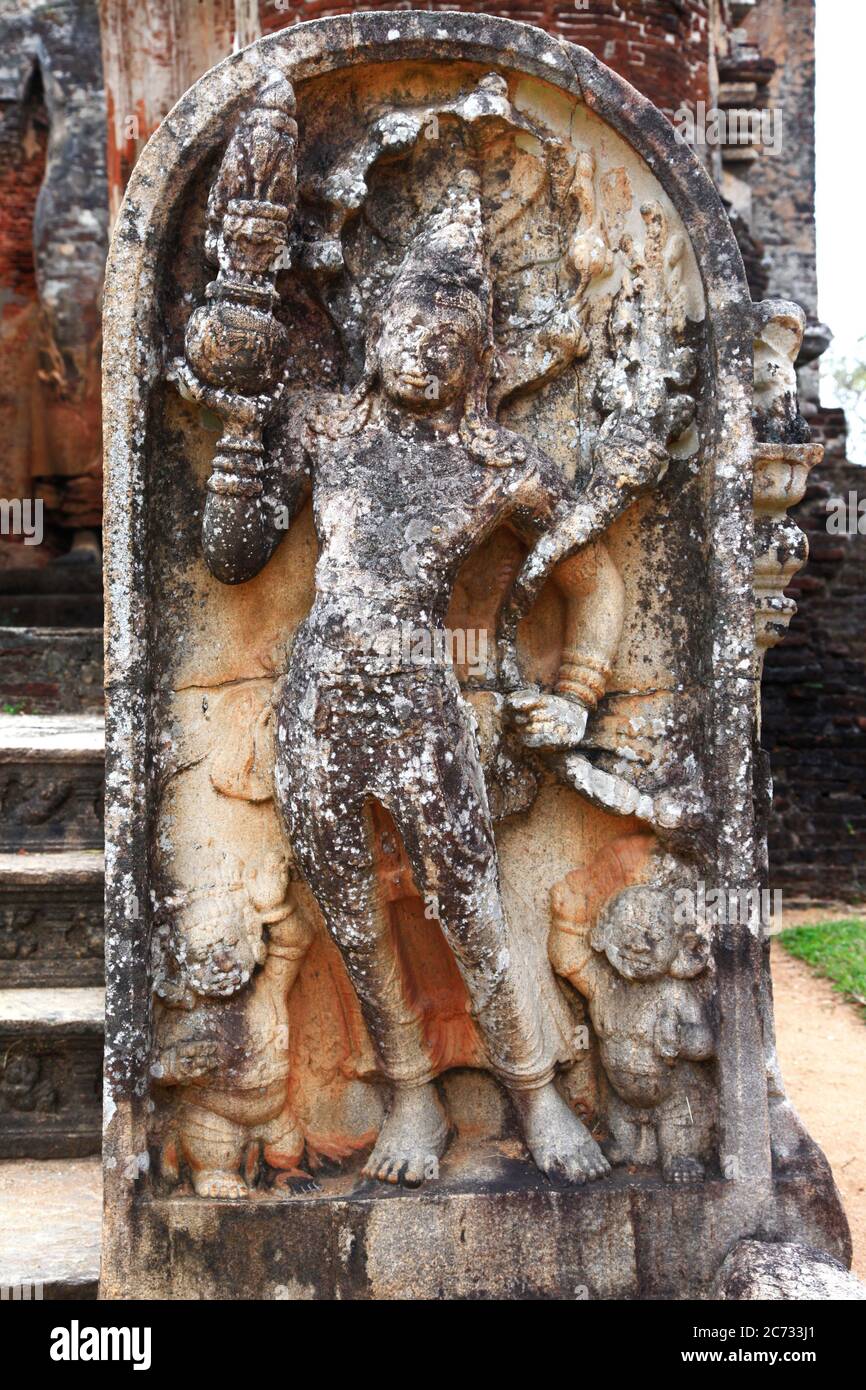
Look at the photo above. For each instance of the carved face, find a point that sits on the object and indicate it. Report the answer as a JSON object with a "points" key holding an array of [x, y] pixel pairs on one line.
{"points": [[426, 354], [218, 944], [638, 934]]}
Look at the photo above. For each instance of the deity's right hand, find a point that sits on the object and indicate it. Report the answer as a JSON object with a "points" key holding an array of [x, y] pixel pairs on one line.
{"points": [[548, 721]]}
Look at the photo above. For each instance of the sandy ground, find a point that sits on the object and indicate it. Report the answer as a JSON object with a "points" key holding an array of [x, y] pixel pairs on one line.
{"points": [[822, 1048], [795, 915]]}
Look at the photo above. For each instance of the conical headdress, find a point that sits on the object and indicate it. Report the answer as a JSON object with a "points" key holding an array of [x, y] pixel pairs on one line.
{"points": [[446, 265]]}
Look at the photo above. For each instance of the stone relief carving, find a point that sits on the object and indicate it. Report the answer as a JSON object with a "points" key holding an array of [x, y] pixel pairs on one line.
{"points": [[410, 472], [23, 1088], [615, 937], [434, 684], [17, 940]]}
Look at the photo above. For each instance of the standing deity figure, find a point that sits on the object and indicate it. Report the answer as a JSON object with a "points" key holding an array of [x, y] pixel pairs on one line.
{"points": [[409, 474]]}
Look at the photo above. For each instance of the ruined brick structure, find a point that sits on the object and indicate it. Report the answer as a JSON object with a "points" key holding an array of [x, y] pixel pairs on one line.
{"points": [[663, 49], [814, 691], [53, 241], [814, 698]]}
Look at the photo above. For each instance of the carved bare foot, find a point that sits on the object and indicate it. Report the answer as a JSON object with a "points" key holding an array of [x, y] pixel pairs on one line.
{"points": [[412, 1139], [683, 1170], [559, 1142], [214, 1182]]}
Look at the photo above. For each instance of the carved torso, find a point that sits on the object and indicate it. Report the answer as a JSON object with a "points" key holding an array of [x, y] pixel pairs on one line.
{"points": [[396, 517], [625, 1016]]}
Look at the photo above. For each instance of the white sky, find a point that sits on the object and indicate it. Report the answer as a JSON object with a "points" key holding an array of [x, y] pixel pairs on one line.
{"points": [[841, 174]]}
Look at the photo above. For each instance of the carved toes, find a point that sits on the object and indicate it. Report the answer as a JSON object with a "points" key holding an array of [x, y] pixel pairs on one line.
{"points": [[216, 1183], [683, 1170]]}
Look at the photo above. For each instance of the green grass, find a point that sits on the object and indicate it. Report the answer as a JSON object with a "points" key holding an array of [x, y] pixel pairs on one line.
{"points": [[836, 950]]}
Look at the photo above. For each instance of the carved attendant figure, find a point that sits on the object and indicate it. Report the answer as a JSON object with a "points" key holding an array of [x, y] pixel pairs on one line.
{"points": [[636, 968], [222, 1037]]}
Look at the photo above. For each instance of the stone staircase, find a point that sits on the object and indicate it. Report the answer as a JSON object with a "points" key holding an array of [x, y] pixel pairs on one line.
{"points": [[51, 931]]}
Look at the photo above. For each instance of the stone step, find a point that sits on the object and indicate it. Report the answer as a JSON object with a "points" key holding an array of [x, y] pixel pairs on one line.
{"points": [[51, 610], [51, 781], [51, 670], [55, 595], [50, 1222], [51, 918], [51, 1072]]}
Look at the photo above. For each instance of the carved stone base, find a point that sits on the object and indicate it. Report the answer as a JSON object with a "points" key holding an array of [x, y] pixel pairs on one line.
{"points": [[492, 1228]]}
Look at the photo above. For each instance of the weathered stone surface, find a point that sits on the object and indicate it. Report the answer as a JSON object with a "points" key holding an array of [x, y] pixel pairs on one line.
{"points": [[490, 1229], [51, 781], [51, 918], [463, 285], [50, 1219], [784, 1273], [51, 670]]}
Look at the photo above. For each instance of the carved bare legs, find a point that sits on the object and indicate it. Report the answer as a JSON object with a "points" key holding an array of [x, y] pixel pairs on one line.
{"points": [[328, 813], [632, 1133], [684, 1126], [424, 768], [412, 1139], [415, 1131], [214, 1147], [561, 1145], [677, 1131]]}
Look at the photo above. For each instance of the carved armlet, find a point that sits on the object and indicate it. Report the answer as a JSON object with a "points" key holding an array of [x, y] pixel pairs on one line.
{"points": [[581, 678]]}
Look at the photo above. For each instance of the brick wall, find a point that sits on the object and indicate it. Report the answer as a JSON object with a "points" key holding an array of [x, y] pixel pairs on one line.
{"points": [[814, 698], [660, 46]]}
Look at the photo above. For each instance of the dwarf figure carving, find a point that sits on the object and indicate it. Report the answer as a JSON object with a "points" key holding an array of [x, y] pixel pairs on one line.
{"points": [[236, 948], [637, 969]]}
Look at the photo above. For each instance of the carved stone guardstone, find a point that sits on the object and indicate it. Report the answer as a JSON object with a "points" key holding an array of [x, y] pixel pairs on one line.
{"points": [[441, 501]]}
